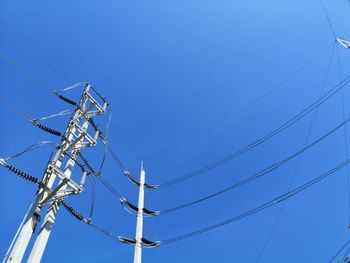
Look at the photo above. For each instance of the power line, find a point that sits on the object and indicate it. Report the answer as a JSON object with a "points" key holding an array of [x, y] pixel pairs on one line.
{"points": [[105, 183], [116, 159], [27, 118], [57, 93], [261, 207], [110, 187], [34, 52], [274, 225], [122, 167], [102, 180], [76, 138], [339, 251], [39, 81], [15, 109], [29, 149], [41, 126], [127, 143], [255, 210], [328, 19], [261, 140], [241, 110], [259, 174], [347, 174], [25, 72]]}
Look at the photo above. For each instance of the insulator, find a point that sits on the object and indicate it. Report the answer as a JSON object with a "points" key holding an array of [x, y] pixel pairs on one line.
{"points": [[71, 210], [67, 100], [47, 129], [77, 163], [150, 243], [151, 186], [80, 166], [93, 124], [151, 213], [126, 240], [130, 205], [86, 162], [22, 174], [132, 179]]}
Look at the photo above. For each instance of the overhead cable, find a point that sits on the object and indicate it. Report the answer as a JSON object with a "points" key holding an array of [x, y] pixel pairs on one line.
{"points": [[259, 174], [255, 210], [264, 206], [339, 251], [29, 149], [241, 110], [299, 162], [31, 120], [261, 140]]}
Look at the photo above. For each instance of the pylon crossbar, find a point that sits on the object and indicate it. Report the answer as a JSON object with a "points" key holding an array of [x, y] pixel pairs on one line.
{"points": [[75, 186]]}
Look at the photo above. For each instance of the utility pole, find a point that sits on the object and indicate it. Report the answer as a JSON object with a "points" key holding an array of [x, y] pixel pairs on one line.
{"points": [[139, 224], [51, 191], [140, 212]]}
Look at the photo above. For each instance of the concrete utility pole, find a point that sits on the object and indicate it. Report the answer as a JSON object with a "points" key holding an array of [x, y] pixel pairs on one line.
{"points": [[51, 191], [139, 224]]}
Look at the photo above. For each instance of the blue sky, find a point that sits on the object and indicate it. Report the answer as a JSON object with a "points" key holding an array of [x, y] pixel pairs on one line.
{"points": [[171, 69]]}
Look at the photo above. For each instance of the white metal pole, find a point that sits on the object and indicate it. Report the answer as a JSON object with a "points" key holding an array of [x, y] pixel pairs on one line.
{"points": [[17, 233], [46, 227], [31, 218], [50, 217], [139, 225], [25, 231]]}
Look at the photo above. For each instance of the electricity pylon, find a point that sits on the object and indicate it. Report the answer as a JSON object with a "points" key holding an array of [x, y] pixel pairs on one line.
{"points": [[52, 191]]}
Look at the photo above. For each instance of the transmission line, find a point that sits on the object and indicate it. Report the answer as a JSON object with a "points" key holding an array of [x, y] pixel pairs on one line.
{"points": [[264, 206], [241, 110], [342, 106], [107, 185], [346, 145], [241, 216], [274, 225], [261, 140], [339, 251], [259, 174], [29, 149], [328, 19], [27, 118], [34, 52]]}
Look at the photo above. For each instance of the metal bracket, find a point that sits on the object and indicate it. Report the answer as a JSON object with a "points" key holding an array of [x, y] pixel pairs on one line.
{"points": [[75, 186], [53, 192], [344, 42]]}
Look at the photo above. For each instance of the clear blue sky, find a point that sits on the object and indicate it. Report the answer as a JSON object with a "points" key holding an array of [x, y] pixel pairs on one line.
{"points": [[170, 69]]}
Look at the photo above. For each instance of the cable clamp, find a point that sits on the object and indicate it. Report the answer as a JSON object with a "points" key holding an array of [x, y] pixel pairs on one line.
{"points": [[2, 162]]}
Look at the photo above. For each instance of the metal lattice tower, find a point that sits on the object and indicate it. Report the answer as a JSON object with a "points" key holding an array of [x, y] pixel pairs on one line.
{"points": [[57, 183]]}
